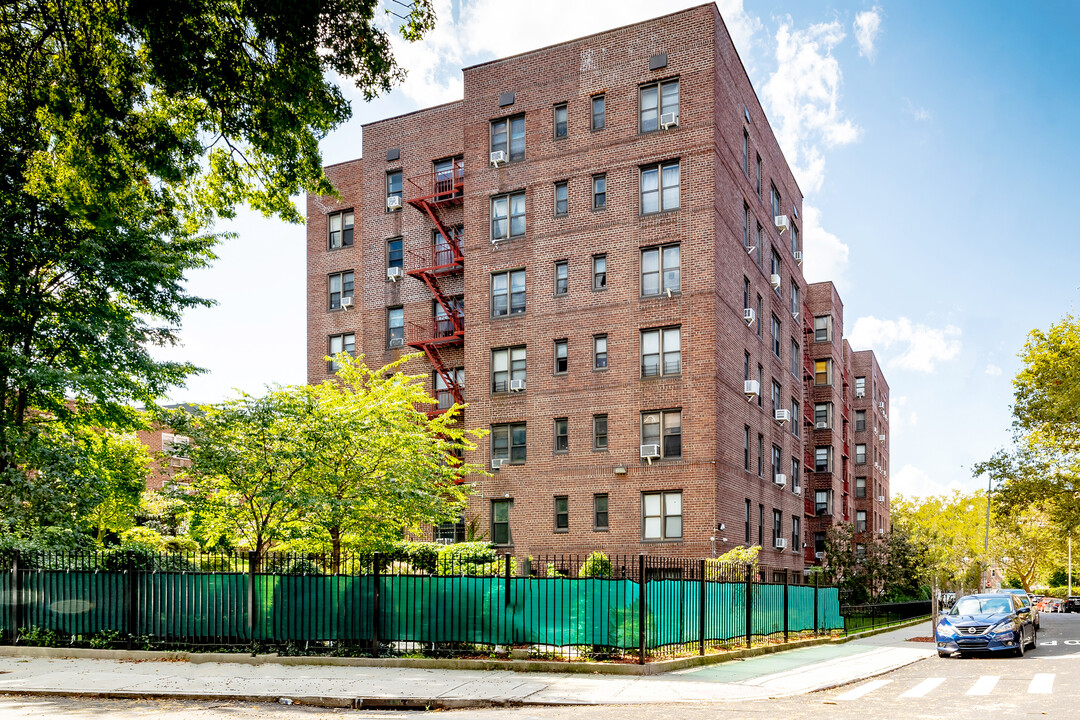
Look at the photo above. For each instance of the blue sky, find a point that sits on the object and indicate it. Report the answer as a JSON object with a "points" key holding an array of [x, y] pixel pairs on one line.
{"points": [[936, 145]]}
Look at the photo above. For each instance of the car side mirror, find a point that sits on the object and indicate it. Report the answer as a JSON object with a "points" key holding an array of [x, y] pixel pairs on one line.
{"points": [[1024, 610]]}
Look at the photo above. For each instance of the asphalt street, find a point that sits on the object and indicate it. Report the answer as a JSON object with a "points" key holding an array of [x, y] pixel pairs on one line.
{"points": [[1044, 683]]}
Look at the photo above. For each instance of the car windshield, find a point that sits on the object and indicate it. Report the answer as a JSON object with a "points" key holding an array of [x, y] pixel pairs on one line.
{"points": [[981, 606]]}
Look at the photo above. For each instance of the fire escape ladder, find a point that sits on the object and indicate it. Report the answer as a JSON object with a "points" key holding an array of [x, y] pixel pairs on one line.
{"points": [[453, 313], [448, 379]]}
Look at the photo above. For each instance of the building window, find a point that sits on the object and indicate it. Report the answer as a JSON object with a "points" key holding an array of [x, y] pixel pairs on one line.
{"points": [[508, 293], [393, 187], [658, 99], [860, 487], [560, 121], [508, 442], [660, 270], [796, 479], [794, 239], [823, 416], [823, 372], [562, 435], [448, 533], [760, 319], [599, 432], [500, 522], [860, 387], [860, 552], [599, 272], [562, 513], [663, 428], [561, 362], [746, 448], [796, 534], [795, 419], [761, 455], [760, 243], [561, 201], [822, 502], [746, 153], [395, 326], [600, 358], [775, 266], [777, 526], [597, 104], [340, 344], [661, 516], [777, 461], [341, 229], [819, 544], [746, 365], [860, 521], [823, 328], [508, 216], [443, 394], [774, 201], [600, 511], [761, 525], [562, 283], [746, 293], [860, 454], [508, 135], [507, 365], [757, 180], [776, 332], [860, 420], [746, 228], [794, 300], [660, 187], [395, 253], [661, 352], [777, 390], [746, 522], [340, 286], [793, 363], [599, 192], [760, 376], [823, 458]]}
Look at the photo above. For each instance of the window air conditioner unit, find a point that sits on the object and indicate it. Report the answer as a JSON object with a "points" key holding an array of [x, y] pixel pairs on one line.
{"points": [[751, 389], [780, 543], [517, 385], [821, 425], [774, 280], [497, 463], [397, 342], [394, 274], [881, 531], [798, 256], [881, 404], [346, 302], [782, 416], [881, 438], [781, 223], [797, 490], [780, 479], [498, 158], [881, 498], [669, 120], [795, 315], [748, 315], [860, 393], [393, 202], [819, 555], [648, 452]]}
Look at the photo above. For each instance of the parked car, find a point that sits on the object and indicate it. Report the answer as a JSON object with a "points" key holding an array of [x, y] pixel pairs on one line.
{"points": [[947, 599], [1072, 604], [1055, 604], [1025, 599], [997, 622]]}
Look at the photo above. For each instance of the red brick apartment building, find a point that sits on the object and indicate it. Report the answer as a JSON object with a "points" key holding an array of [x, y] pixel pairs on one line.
{"points": [[598, 250]]}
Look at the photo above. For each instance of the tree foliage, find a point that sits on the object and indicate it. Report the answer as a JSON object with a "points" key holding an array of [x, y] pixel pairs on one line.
{"points": [[884, 568], [952, 530]]}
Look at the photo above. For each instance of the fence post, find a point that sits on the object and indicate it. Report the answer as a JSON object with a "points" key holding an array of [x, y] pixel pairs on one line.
{"points": [[641, 609], [16, 597], [817, 582], [132, 608], [749, 604], [376, 604], [701, 610], [252, 600], [787, 583]]}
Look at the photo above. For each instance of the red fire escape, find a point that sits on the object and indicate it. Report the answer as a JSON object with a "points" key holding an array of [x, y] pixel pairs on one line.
{"points": [[433, 195], [808, 446]]}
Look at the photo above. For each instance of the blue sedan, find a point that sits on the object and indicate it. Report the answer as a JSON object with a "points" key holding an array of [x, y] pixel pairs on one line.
{"points": [[986, 623]]}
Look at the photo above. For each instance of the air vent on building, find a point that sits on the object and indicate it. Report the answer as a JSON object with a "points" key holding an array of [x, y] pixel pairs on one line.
{"points": [[393, 154], [658, 61], [505, 99]]}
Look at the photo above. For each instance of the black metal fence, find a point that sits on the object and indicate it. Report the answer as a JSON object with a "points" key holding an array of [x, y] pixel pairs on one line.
{"points": [[624, 607], [870, 616]]}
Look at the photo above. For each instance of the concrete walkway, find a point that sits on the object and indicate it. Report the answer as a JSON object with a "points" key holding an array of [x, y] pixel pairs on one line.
{"points": [[781, 674]]}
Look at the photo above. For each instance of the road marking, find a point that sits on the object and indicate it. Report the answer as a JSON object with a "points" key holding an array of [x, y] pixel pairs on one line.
{"points": [[1041, 684], [863, 690], [923, 688], [984, 685]]}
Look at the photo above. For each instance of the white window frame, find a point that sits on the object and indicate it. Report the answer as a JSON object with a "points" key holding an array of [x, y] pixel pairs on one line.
{"points": [[662, 516]]}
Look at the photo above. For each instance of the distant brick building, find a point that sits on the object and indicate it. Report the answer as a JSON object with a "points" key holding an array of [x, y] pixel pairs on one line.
{"points": [[598, 249]]}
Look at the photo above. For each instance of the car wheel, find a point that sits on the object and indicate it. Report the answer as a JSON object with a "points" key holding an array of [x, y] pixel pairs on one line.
{"points": [[943, 654], [1020, 643], [1034, 639]]}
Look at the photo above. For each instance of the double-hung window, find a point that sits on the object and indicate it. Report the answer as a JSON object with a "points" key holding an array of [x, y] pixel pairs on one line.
{"points": [[796, 420], [860, 420], [860, 454], [393, 188], [777, 461], [562, 513], [774, 201], [823, 502], [597, 104], [599, 272], [600, 432], [660, 187], [823, 416], [660, 270], [661, 516], [776, 332], [340, 344], [508, 442], [823, 328], [860, 521], [746, 153], [340, 227], [561, 198], [500, 522], [793, 362], [796, 479], [600, 356], [777, 526], [661, 352], [663, 428], [508, 135], [823, 458], [507, 365], [860, 487], [658, 99], [508, 216], [443, 393], [600, 511], [341, 286], [796, 534], [777, 391], [561, 361], [794, 239], [823, 372], [395, 253], [794, 300], [508, 293], [599, 191], [560, 121], [562, 283], [757, 180], [395, 326], [562, 435]]}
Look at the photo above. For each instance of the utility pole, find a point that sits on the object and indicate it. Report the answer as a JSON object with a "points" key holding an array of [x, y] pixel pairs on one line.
{"points": [[986, 538], [1070, 564]]}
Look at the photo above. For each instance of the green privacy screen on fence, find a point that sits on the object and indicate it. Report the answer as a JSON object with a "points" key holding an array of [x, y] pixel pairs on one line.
{"points": [[213, 608]]}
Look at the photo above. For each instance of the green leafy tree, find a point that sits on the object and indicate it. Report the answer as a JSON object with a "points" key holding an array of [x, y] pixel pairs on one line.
{"points": [[122, 465], [950, 529]]}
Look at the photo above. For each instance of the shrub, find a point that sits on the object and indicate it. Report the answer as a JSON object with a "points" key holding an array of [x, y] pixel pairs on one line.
{"points": [[472, 558], [597, 565], [421, 556]]}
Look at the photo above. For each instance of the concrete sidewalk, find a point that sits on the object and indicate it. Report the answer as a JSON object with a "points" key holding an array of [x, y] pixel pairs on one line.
{"points": [[787, 673]]}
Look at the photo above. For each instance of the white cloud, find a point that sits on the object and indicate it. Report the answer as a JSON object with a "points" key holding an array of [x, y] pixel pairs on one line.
{"points": [[993, 370], [803, 95], [899, 415], [825, 256], [867, 27], [907, 345], [920, 114], [910, 481]]}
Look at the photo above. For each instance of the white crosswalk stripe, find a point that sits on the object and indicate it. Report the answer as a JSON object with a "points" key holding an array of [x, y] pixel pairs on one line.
{"points": [[1041, 684], [923, 688], [984, 685], [863, 690]]}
